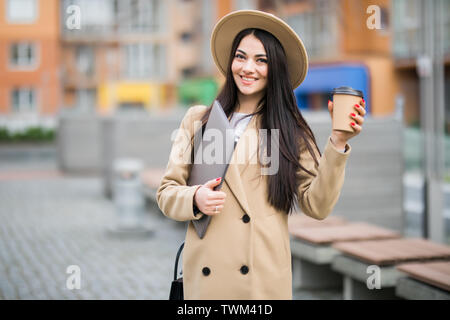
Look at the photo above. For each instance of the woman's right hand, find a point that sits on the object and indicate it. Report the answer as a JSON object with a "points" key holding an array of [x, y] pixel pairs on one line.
{"points": [[206, 199]]}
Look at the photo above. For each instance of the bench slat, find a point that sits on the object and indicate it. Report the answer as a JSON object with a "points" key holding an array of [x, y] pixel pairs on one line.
{"points": [[345, 232], [393, 251], [434, 273]]}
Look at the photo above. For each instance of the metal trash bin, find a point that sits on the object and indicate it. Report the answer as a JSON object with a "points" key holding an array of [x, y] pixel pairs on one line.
{"points": [[129, 198]]}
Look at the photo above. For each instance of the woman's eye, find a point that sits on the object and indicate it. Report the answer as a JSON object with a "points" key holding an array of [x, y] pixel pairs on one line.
{"points": [[262, 60], [239, 56]]}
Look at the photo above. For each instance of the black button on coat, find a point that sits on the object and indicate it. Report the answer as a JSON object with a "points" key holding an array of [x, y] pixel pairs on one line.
{"points": [[244, 269], [206, 271]]}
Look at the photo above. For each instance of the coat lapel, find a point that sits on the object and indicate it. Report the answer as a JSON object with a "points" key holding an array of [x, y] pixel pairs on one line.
{"points": [[244, 152]]}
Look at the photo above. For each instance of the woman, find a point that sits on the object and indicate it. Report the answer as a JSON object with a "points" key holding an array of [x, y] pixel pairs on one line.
{"points": [[245, 253]]}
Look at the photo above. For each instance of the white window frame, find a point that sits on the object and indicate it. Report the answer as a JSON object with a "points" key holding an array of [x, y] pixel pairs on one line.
{"points": [[29, 20], [21, 65], [85, 60], [144, 60], [149, 17], [86, 100], [24, 107]]}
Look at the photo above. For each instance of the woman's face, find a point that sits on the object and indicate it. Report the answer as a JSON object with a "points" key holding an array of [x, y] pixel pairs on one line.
{"points": [[249, 67]]}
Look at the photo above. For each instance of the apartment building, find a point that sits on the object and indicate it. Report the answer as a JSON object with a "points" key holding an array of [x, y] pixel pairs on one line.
{"points": [[131, 54], [370, 45], [341, 48], [408, 19], [29, 59]]}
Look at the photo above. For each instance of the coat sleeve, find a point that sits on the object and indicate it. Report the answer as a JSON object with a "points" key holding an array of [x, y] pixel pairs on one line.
{"points": [[318, 194], [174, 197]]}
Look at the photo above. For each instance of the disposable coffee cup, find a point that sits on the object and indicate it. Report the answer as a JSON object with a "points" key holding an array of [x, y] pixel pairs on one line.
{"points": [[344, 100]]}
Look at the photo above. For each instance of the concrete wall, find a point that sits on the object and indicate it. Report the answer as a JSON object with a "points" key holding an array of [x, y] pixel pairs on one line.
{"points": [[373, 187], [78, 144]]}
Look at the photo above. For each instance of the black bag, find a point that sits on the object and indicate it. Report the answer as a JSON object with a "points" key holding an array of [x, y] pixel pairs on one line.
{"points": [[176, 290]]}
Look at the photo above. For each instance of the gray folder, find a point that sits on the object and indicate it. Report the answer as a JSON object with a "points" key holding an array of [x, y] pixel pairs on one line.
{"points": [[212, 154]]}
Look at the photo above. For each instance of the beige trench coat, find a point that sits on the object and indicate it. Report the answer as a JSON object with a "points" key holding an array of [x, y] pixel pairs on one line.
{"points": [[245, 253]]}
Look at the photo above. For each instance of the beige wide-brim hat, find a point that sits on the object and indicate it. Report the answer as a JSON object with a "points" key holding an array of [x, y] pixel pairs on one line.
{"points": [[230, 25]]}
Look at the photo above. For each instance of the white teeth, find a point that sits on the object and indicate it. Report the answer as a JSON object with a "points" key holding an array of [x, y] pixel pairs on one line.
{"points": [[248, 79]]}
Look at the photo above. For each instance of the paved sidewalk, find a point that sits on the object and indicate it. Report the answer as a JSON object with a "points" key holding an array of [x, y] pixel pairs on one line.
{"points": [[50, 223]]}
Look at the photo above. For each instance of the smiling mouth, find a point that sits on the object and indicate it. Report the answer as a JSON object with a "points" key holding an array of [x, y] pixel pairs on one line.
{"points": [[248, 80]]}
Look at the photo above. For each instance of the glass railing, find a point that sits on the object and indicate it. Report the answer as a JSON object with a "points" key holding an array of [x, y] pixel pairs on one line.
{"points": [[407, 27]]}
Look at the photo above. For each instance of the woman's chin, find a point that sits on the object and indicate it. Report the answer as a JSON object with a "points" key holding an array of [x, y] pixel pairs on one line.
{"points": [[247, 91]]}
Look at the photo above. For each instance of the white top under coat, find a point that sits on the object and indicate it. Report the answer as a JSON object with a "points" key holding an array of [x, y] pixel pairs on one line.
{"points": [[239, 127]]}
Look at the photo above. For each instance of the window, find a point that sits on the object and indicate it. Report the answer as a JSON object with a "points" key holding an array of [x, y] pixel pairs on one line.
{"points": [[85, 60], [189, 72], [96, 16], [186, 36], [317, 28], [23, 100], [245, 4], [23, 55], [144, 61], [384, 18], [22, 11], [141, 15], [85, 100], [406, 24]]}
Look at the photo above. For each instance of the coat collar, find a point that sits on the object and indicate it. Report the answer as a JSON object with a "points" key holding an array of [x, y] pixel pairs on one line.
{"points": [[246, 146]]}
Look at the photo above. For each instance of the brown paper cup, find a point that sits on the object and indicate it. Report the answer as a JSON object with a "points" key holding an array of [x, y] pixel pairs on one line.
{"points": [[344, 100], [343, 105]]}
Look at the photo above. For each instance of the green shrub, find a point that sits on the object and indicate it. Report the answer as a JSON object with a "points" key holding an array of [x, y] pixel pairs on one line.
{"points": [[31, 134]]}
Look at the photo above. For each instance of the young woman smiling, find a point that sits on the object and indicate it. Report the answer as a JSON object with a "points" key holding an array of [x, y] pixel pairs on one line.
{"points": [[245, 253]]}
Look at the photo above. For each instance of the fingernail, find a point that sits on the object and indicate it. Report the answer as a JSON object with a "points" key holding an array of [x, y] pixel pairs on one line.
{"points": [[353, 115], [329, 101], [363, 101], [218, 179], [356, 105], [353, 124]]}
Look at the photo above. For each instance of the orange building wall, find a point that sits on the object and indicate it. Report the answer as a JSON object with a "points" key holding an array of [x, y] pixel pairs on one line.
{"points": [[384, 85], [357, 37], [223, 7], [45, 78]]}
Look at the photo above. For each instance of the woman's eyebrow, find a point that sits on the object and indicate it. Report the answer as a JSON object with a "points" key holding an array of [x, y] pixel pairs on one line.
{"points": [[256, 55]]}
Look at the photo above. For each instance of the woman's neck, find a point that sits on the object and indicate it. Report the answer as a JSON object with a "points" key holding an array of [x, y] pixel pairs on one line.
{"points": [[247, 104]]}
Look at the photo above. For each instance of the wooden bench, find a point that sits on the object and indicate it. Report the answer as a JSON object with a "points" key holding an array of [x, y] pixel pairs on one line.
{"points": [[424, 281], [312, 252], [361, 259]]}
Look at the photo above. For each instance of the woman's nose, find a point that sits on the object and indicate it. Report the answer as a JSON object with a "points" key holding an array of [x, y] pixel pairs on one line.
{"points": [[248, 66]]}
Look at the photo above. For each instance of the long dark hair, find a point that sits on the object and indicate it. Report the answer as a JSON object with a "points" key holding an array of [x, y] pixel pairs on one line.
{"points": [[276, 110]]}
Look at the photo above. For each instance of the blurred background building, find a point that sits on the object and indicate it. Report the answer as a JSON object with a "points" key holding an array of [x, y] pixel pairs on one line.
{"points": [[153, 54], [132, 54]]}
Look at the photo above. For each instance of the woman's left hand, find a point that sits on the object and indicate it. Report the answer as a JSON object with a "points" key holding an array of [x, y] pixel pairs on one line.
{"points": [[340, 138]]}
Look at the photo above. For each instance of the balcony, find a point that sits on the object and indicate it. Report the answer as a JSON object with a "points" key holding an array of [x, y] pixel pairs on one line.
{"points": [[112, 20], [408, 28]]}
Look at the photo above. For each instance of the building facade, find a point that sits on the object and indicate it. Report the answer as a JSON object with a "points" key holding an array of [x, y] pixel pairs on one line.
{"points": [[29, 59], [108, 55], [132, 54]]}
